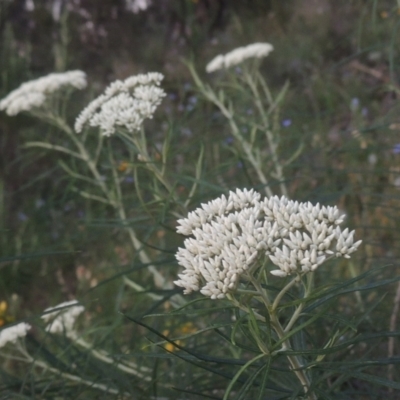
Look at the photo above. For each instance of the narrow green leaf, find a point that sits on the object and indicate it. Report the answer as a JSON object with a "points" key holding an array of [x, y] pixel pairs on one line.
{"points": [[237, 375]]}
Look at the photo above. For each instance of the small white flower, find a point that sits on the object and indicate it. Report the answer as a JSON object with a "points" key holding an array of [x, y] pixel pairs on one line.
{"points": [[124, 104], [238, 55], [62, 317], [11, 334], [33, 94]]}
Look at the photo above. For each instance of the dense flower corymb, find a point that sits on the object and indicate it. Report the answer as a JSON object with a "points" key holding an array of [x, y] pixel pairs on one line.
{"points": [[124, 103], [62, 317], [237, 56], [11, 334], [230, 236], [33, 94]]}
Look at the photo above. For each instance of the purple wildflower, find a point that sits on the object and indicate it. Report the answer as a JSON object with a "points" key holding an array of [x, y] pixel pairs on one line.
{"points": [[396, 149]]}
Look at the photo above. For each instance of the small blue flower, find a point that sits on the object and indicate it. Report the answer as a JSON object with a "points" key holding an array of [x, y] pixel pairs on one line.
{"points": [[39, 203], [396, 149], [228, 140], [186, 132], [286, 122], [22, 216], [192, 99], [355, 103], [129, 179], [364, 111]]}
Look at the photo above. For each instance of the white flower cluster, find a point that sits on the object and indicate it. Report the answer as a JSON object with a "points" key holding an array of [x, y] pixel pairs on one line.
{"points": [[124, 103], [63, 318], [11, 334], [237, 56], [136, 6], [34, 93], [230, 235]]}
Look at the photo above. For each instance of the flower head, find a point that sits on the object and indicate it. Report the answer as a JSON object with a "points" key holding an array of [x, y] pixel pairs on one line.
{"points": [[136, 6], [124, 103], [12, 333], [33, 94], [238, 55], [232, 235], [62, 317]]}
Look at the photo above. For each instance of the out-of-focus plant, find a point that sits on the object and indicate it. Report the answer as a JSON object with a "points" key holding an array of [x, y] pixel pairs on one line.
{"points": [[92, 163], [244, 99], [61, 320]]}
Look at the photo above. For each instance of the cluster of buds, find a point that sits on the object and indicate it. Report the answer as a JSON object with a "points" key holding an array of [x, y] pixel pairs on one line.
{"points": [[238, 55], [124, 104], [33, 94], [231, 236]]}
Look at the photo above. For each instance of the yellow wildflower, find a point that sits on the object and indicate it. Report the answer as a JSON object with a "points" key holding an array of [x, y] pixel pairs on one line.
{"points": [[384, 14], [123, 166]]}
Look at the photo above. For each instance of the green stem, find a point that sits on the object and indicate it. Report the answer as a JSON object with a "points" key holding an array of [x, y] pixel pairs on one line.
{"points": [[245, 145], [210, 95], [140, 144], [113, 199], [294, 361], [270, 137], [159, 279], [300, 307], [281, 333], [131, 368], [85, 156], [244, 308], [294, 318], [71, 377], [263, 294], [38, 363], [49, 146], [280, 295]]}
